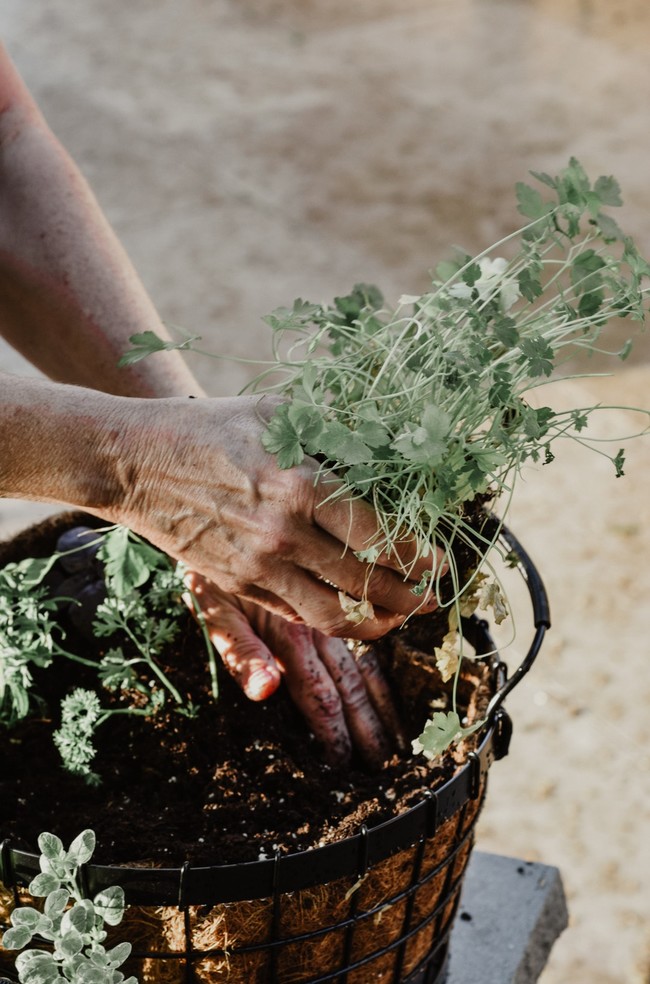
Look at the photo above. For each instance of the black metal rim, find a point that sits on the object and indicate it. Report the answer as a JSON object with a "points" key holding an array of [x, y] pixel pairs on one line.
{"points": [[190, 885]]}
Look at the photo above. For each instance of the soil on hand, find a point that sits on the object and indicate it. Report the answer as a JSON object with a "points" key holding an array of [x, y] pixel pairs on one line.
{"points": [[238, 782]]}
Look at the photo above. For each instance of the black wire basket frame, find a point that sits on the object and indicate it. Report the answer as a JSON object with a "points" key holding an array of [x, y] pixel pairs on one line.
{"points": [[457, 802]]}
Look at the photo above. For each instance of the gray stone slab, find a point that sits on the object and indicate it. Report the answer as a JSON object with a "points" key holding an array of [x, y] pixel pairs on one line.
{"points": [[511, 913]]}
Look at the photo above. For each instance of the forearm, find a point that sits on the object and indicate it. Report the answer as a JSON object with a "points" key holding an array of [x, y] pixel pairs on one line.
{"points": [[59, 444], [69, 296]]}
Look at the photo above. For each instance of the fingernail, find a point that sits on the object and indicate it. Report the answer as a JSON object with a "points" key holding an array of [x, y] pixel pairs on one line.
{"points": [[261, 684]]}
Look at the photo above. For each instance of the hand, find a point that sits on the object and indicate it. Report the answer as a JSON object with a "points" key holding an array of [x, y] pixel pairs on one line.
{"points": [[344, 701], [198, 483]]}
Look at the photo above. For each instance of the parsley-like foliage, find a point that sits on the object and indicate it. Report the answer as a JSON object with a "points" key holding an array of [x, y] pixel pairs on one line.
{"points": [[140, 616]]}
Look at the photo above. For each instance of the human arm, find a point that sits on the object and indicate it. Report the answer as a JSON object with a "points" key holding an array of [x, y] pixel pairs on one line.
{"points": [[69, 295], [190, 475], [70, 300], [92, 450]]}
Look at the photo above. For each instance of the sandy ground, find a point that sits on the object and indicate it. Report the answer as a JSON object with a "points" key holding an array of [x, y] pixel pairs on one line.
{"points": [[250, 152]]}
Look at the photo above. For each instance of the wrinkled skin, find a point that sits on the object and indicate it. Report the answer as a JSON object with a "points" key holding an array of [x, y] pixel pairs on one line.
{"points": [[191, 475], [199, 484]]}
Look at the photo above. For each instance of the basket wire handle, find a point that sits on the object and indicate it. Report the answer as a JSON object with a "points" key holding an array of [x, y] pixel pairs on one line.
{"points": [[541, 612]]}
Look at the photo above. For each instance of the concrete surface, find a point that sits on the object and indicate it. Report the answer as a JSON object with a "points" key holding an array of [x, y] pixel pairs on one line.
{"points": [[511, 914]]}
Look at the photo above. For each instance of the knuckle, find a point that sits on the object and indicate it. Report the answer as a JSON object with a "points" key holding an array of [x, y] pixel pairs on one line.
{"points": [[297, 635], [299, 489], [335, 625], [279, 542], [275, 538], [329, 705], [382, 582], [354, 692], [291, 639], [235, 583], [368, 664]]}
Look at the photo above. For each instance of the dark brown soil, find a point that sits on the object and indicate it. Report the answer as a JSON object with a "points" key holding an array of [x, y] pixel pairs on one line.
{"points": [[238, 782]]}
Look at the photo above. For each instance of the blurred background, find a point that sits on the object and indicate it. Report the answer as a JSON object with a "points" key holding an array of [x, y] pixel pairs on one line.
{"points": [[248, 152]]}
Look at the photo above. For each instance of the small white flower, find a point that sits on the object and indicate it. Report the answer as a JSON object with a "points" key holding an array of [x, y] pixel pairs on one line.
{"points": [[490, 596], [416, 746], [469, 599], [355, 611], [491, 283], [369, 556], [461, 290], [448, 656]]}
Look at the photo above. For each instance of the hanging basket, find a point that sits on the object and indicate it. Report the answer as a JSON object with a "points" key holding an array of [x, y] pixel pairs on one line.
{"points": [[377, 906]]}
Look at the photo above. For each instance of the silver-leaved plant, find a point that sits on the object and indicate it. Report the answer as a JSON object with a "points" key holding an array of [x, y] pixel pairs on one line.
{"points": [[73, 927]]}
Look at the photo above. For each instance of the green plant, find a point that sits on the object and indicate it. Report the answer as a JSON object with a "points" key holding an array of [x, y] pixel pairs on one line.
{"points": [[424, 408], [72, 924], [27, 636], [140, 614]]}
